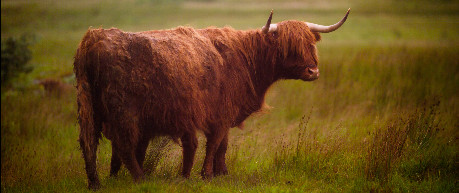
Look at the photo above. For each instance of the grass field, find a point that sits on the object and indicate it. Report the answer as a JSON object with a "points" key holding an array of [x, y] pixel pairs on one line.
{"points": [[383, 116]]}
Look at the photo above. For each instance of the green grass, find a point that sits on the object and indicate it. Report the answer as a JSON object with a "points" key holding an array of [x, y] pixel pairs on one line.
{"points": [[382, 75]]}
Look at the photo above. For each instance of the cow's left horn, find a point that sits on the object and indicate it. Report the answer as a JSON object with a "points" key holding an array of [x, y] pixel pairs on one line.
{"points": [[325, 29], [269, 27]]}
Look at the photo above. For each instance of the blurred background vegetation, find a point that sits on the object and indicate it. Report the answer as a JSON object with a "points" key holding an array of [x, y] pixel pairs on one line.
{"points": [[382, 117]]}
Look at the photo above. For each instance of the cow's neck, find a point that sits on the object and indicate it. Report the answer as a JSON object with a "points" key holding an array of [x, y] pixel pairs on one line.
{"points": [[262, 63], [249, 57]]}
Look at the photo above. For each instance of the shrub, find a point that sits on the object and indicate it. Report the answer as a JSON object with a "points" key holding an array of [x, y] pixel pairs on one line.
{"points": [[15, 56]]}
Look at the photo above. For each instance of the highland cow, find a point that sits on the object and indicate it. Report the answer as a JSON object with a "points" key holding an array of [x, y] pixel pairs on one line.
{"points": [[134, 86]]}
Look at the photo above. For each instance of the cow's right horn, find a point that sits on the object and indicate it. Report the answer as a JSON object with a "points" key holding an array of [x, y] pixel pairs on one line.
{"points": [[269, 27], [325, 29]]}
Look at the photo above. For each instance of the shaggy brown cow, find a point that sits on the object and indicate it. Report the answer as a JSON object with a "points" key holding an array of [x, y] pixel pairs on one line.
{"points": [[135, 86]]}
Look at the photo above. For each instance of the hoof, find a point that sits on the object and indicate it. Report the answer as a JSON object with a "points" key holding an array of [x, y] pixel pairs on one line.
{"points": [[206, 176], [186, 175], [113, 175], [220, 173], [139, 179], [94, 186]]}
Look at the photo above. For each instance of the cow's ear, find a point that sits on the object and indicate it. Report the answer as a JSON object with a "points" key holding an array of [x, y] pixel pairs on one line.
{"points": [[317, 36]]}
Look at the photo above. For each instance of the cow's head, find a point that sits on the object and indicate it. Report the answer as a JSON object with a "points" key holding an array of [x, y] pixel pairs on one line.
{"points": [[296, 45]]}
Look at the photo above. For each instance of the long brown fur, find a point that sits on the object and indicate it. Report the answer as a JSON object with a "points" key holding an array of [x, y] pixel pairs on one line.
{"points": [[135, 86]]}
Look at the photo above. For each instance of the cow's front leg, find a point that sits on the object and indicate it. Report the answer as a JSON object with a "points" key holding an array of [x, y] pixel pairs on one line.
{"points": [[219, 159], [214, 140]]}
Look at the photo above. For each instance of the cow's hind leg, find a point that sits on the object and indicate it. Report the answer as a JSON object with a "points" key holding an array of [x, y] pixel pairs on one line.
{"points": [[90, 133], [189, 144], [125, 142], [214, 140], [115, 164], [128, 158], [141, 150], [219, 160], [89, 148]]}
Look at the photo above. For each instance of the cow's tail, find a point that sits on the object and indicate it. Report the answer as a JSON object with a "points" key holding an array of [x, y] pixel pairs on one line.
{"points": [[90, 129]]}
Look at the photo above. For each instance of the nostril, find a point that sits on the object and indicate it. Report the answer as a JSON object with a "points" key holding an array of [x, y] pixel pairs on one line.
{"points": [[310, 71]]}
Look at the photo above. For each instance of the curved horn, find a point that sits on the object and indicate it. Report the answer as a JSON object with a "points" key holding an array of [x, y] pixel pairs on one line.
{"points": [[269, 27], [325, 29]]}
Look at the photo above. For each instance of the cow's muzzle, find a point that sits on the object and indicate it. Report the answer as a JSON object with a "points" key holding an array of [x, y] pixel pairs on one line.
{"points": [[312, 74]]}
